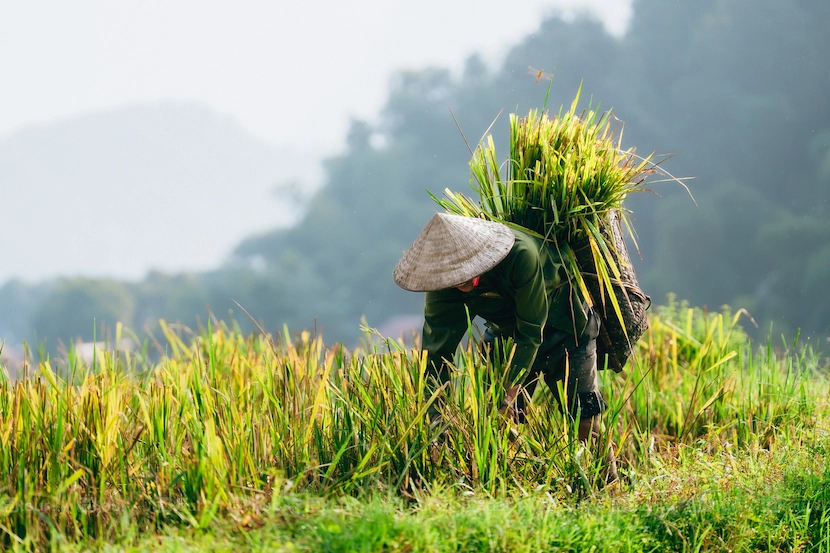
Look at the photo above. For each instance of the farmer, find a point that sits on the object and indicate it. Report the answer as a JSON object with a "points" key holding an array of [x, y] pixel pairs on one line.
{"points": [[518, 285]]}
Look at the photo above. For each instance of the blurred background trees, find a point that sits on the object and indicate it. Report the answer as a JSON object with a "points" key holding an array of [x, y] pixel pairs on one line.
{"points": [[737, 91]]}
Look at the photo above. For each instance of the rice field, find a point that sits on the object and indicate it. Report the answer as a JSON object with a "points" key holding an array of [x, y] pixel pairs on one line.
{"points": [[249, 437]]}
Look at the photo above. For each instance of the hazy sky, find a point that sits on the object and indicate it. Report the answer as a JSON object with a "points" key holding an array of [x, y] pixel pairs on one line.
{"points": [[250, 60], [258, 63]]}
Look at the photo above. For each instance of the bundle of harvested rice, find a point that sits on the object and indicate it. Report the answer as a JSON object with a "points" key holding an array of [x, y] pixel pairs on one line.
{"points": [[565, 180]]}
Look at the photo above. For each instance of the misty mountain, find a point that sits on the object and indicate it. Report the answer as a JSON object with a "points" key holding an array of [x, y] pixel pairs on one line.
{"points": [[737, 91], [170, 186]]}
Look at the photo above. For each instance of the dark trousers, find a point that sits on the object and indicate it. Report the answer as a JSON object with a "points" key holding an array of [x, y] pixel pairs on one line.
{"points": [[562, 358]]}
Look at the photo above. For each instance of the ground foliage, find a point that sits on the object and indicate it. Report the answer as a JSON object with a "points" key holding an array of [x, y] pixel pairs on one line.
{"points": [[268, 439]]}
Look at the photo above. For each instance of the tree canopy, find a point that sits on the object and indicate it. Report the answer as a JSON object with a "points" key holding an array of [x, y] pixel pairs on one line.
{"points": [[737, 91]]}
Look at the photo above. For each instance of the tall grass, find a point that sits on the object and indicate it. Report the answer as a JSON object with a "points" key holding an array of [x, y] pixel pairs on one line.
{"points": [[698, 376], [226, 424]]}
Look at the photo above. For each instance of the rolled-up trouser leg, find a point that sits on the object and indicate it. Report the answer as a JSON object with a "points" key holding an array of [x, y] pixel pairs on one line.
{"points": [[582, 390], [578, 367], [570, 363], [559, 357]]}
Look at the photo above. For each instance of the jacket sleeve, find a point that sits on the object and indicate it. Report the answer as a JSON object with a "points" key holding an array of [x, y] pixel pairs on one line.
{"points": [[445, 322], [528, 280]]}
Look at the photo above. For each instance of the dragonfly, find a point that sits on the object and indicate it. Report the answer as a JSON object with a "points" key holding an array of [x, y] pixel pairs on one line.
{"points": [[540, 74]]}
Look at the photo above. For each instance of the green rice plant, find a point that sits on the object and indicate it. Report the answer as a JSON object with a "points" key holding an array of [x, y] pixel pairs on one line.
{"points": [[563, 178], [699, 376], [228, 425], [738, 502]]}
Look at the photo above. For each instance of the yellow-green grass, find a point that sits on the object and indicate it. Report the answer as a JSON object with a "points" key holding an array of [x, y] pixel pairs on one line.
{"points": [[741, 500], [227, 426]]}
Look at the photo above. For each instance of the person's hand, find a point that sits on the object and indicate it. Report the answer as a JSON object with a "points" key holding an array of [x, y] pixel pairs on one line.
{"points": [[510, 396], [508, 409]]}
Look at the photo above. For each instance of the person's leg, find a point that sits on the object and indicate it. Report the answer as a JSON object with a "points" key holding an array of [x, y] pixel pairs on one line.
{"points": [[578, 368], [575, 363]]}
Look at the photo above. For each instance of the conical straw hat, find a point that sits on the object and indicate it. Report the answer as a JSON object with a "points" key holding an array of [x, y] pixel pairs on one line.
{"points": [[451, 250]]}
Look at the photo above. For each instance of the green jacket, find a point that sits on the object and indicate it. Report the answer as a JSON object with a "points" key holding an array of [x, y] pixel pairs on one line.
{"points": [[527, 291]]}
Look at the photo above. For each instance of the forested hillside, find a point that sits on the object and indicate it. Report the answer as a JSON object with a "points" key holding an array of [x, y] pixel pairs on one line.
{"points": [[737, 91]]}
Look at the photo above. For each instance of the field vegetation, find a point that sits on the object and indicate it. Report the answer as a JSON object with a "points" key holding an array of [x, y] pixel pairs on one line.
{"points": [[237, 441]]}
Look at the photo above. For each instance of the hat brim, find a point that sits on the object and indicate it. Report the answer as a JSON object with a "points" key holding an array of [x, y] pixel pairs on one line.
{"points": [[451, 250]]}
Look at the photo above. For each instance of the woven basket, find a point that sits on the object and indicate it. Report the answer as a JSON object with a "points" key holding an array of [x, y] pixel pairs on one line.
{"points": [[612, 340]]}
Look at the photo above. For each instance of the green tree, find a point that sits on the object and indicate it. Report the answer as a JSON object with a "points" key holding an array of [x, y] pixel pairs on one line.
{"points": [[79, 307], [737, 90]]}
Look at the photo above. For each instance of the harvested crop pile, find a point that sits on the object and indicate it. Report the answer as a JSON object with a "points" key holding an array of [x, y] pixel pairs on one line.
{"points": [[565, 180]]}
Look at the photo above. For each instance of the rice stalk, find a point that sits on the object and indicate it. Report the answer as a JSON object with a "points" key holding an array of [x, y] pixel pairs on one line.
{"points": [[562, 179], [230, 419]]}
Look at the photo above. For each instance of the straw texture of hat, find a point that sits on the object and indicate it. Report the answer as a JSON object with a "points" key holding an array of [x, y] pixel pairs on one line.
{"points": [[451, 250]]}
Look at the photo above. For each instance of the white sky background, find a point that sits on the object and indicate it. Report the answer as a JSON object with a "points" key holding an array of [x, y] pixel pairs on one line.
{"points": [[249, 61]]}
